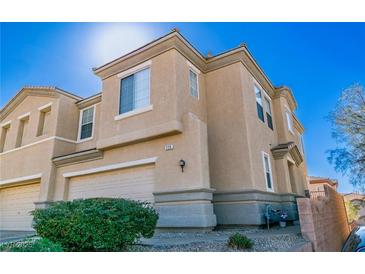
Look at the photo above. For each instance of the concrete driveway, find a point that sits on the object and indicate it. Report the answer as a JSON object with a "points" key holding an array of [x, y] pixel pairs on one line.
{"points": [[7, 236]]}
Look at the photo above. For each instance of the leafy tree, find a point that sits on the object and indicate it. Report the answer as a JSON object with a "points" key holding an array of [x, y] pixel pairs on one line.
{"points": [[348, 128], [352, 211]]}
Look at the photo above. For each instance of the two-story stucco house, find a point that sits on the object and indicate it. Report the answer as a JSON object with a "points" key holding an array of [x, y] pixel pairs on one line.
{"points": [[207, 140]]}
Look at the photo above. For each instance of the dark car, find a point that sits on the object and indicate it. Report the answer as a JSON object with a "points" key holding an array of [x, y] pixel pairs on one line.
{"points": [[356, 240]]}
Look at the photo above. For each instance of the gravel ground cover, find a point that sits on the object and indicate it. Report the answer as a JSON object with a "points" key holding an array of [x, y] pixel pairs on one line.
{"points": [[276, 239]]}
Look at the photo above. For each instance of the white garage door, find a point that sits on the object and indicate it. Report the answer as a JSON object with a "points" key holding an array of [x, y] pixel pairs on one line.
{"points": [[133, 183], [15, 206]]}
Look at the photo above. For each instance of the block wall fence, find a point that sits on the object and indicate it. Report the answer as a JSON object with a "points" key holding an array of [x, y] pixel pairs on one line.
{"points": [[323, 221]]}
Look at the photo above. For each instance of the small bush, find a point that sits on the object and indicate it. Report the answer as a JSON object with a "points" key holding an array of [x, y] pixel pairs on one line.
{"points": [[31, 245], [239, 241], [98, 224]]}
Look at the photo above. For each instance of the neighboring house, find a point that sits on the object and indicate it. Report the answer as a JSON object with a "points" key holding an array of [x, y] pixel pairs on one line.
{"points": [[207, 140], [358, 200], [316, 184]]}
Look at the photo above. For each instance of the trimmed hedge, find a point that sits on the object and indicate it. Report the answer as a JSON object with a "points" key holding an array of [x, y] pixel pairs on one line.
{"points": [[98, 224], [31, 245]]}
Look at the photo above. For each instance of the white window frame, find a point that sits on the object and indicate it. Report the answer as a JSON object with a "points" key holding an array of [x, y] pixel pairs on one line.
{"points": [[195, 70], [288, 116], [266, 97], [129, 72], [301, 142], [264, 154], [79, 140]]}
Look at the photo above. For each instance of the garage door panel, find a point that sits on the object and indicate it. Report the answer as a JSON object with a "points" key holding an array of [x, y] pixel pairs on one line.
{"points": [[16, 203], [133, 183]]}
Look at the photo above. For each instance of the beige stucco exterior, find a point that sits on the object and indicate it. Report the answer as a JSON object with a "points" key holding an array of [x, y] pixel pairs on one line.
{"points": [[218, 135]]}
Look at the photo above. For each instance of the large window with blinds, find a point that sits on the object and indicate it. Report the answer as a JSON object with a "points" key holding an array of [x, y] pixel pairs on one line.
{"points": [[135, 91]]}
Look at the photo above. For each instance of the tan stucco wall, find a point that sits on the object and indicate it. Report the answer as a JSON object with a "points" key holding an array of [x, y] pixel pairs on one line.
{"points": [[218, 135], [228, 142], [190, 146], [237, 137]]}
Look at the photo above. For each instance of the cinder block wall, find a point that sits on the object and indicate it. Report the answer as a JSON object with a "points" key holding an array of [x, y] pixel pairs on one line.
{"points": [[324, 221]]}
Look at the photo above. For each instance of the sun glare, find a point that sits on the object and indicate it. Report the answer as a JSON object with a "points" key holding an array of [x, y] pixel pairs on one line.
{"points": [[111, 41]]}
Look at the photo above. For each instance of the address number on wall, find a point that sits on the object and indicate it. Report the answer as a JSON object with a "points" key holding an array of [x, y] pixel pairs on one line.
{"points": [[169, 147]]}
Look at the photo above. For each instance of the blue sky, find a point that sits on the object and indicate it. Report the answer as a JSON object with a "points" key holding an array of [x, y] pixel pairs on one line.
{"points": [[317, 60]]}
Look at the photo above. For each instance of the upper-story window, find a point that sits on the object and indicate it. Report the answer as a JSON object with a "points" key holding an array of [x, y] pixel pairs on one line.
{"points": [[43, 120], [260, 109], [268, 113], [289, 121], [4, 132], [87, 119], [135, 91], [193, 83], [267, 170], [22, 129]]}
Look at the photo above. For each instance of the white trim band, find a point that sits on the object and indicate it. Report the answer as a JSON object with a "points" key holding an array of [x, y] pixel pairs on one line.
{"points": [[111, 167], [134, 69], [133, 112], [25, 115], [21, 179], [6, 124], [45, 106], [38, 142]]}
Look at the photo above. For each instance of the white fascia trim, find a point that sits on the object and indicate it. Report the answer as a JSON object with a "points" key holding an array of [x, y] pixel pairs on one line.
{"points": [[45, 106], [38, 142], [21, 179], [263, 162], [6, 124], [79, 140], [111, 167], [135, 69], [24, 116], [133, 112]]}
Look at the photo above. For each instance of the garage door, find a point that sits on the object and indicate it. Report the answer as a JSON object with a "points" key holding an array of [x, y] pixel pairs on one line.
{"points": [[15, 206], [133, 183]]}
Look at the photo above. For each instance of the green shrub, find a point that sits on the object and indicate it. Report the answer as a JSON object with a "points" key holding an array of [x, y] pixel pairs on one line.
{"points": [[240, 241], [31, 245], [98, 224]]}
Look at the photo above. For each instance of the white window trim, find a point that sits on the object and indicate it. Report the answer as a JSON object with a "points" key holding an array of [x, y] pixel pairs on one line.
{"points": [[261, 88], [290, 129], [197, 84], [45, 106], [197, 72], [79, 140], [194, 68], [270, 102], [6, 124], [135, 69], [25, 115], [133, 112], [264, 154], [125, 74]]}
